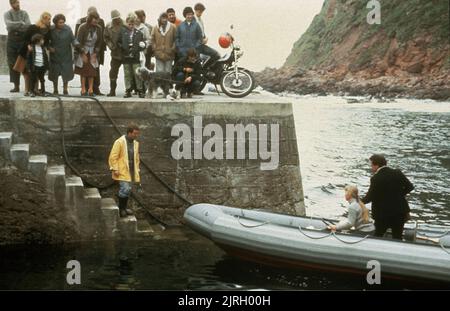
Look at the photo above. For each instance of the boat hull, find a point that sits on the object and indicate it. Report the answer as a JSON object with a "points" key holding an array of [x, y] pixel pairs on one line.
{"points": [[283, 240]]}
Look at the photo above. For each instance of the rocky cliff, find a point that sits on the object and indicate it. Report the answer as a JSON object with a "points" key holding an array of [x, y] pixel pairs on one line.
{"points": [[407, 54]]}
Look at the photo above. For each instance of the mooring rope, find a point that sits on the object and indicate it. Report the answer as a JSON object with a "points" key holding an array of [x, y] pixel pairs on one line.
{"points": [[435, 236], [313, 237], [252, 226], [443, 247]]}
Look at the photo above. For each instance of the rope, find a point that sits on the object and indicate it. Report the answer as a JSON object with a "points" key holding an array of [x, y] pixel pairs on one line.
{"points": [[347, 242], [103, 187], [443, 247], [250, 226], [313, 237], [435, 236]]}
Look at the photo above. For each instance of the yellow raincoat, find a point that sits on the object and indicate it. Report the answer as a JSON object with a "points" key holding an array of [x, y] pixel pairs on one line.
{"points": [[118, 161]]}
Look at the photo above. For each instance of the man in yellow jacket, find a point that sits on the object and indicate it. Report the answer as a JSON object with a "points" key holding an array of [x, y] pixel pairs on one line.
{"points": [[124, 163]]}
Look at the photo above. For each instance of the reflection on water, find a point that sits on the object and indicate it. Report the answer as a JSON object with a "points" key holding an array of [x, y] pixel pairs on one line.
{"points": [[335, 140], [166, 264]]}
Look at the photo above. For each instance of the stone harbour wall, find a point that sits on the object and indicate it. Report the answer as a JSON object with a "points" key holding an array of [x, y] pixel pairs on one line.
{"points": [[236, 183]]}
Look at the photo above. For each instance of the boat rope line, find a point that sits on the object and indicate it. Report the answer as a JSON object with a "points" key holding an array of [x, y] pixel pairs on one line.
{"points": [[313, 237], [348, 242], [434, 236], [251, 226], [443, 247], [332, 234]]}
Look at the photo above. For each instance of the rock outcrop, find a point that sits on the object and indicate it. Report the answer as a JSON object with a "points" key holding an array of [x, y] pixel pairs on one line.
{"points": [[408, 54]]}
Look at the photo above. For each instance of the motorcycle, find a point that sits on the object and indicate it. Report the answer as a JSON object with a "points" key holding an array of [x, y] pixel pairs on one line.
{"points": [[235, 81]]}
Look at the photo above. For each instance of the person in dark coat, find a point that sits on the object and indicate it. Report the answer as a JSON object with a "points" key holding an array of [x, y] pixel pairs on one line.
{"points": [[387, 193], [101, 53], [37, 63], [17, 22], [187, 72], [41, 27], [189, 34], [62, 40], [132, 43]]}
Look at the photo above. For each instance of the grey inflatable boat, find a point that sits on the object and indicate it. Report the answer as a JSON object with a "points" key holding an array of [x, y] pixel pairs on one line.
{"points": [[305, 242]]}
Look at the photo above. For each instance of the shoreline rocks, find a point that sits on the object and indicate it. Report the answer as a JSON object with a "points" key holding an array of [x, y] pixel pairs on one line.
{"points": [[321, 82]]}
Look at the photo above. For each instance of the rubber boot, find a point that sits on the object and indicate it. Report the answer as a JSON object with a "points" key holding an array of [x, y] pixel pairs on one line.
{"points": [[123, 207], [113, 85]]}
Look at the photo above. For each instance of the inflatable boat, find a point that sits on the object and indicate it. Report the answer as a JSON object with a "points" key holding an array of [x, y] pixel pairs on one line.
{"points": [[284, 240]]}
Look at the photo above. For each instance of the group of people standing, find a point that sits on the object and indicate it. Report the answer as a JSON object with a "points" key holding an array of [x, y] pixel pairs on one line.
{"points": [[35, 49]]}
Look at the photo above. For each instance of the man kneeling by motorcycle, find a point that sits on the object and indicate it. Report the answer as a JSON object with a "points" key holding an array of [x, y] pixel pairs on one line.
{"points": [[187, 72]]}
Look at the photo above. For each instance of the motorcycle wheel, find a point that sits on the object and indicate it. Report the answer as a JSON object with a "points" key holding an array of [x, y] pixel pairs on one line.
{"points": [[237, 86]]}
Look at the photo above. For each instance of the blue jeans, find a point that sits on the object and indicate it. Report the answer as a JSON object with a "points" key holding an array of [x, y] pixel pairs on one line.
{"points": [[124, 189], [186, 88]]}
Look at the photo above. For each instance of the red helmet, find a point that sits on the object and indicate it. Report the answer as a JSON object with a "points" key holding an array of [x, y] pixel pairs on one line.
{"points": [[225, 40]]}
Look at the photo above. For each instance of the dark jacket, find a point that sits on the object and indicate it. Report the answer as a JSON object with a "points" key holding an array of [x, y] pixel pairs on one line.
{"points": [[183, 63], [188, 36], [131, 53], [31, 57], [101, 23], [31, 31], [387, 192], [83, 34]]}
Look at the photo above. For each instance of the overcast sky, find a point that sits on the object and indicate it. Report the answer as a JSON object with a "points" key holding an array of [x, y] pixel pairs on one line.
{"points": [[266, 30]]}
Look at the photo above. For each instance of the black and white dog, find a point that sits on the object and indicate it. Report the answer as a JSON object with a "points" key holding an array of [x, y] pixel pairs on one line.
{"points": [[153, 80]]}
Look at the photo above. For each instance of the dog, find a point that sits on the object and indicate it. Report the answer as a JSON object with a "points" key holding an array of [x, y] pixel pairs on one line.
{"points": [[154, 80]]}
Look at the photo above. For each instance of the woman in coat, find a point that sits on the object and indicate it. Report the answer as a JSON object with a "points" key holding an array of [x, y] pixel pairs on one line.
{"points": [[90, 37], [41, 27], [61, 56], [358, 214]]}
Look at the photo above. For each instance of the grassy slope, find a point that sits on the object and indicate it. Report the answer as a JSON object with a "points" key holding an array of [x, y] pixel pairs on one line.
{"points": [[403, 19]]}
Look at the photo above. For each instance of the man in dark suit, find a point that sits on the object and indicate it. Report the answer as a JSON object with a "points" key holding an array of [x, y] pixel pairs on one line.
{"points": [[101, 54], [387, 192]]}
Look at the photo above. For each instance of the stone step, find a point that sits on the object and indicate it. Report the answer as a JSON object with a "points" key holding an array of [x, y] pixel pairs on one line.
{"points": [[19, 155], [74, 199], [144, 229], [37, 165], [6, 139], [110, 212], [128, 227], [90, 215], [56, 183]]}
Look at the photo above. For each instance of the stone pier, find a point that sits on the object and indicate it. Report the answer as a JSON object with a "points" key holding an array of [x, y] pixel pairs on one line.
{"points": [[234, 182]]}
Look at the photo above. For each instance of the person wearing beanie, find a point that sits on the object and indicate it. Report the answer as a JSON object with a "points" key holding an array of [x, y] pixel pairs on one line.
{"points": [[163, 42], [111, 37], [189, 34]]}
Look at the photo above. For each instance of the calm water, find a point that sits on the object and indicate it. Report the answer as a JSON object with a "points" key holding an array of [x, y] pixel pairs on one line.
{"points": [[335, 140]]}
